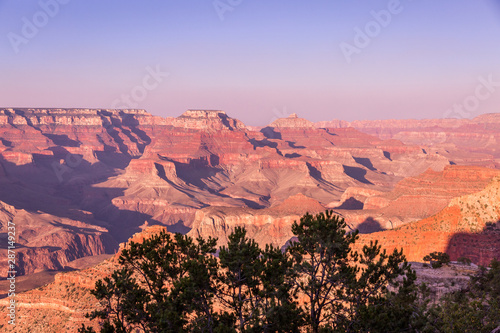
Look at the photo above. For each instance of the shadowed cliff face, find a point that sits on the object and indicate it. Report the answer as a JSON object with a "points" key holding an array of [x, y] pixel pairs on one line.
{"points": [[101, 174], [48, 242], [480, 247]]}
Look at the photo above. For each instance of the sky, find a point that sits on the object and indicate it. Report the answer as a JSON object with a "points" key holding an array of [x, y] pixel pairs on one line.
{"points": [[258, 60]]}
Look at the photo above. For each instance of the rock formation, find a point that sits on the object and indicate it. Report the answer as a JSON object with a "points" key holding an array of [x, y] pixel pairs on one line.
{"points": [[464, 141], [468, 227], [411, 199], [267, 226], [48, 242], [61, 305]]}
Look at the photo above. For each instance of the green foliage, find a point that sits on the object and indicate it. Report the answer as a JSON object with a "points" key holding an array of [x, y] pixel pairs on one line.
{"points": [[279, 302], [437, 259], [343, 288], [321, 257], [464, 261], [254, 286], [475, 309], [239, 280], [161, 283]]}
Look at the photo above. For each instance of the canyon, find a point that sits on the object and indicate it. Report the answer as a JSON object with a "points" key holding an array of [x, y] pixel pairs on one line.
{"points": [[95, 177], [77, 183]]}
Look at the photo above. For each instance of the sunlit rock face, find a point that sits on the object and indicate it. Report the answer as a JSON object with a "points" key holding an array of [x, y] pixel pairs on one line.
{"points": [[469, 226]]}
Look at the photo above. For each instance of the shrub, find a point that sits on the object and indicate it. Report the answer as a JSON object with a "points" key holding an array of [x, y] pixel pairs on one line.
{"points": [[464, 261], [437, 259]]}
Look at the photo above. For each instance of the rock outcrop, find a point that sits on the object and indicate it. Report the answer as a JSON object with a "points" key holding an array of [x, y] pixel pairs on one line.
{"points": [[468, 227], [413, 198], [48, 242], [267, 226], [61, 305]]}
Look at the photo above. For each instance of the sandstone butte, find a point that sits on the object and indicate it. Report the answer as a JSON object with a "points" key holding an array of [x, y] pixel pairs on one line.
{"points": [[77, 182]]}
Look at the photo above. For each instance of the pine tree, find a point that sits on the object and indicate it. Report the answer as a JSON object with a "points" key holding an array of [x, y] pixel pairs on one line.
{"points": [[339, 284], [254, 286], [161, 283]]}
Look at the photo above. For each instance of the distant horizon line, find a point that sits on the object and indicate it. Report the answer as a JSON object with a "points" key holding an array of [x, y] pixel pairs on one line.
{"points": [[222, 111]]}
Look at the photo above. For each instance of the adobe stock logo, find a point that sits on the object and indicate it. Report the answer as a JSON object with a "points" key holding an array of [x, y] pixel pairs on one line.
{"points": [[71, 161], [278, 114], [223, 6], [138, 93], [483, 91], [31, 27], [373, 28]]}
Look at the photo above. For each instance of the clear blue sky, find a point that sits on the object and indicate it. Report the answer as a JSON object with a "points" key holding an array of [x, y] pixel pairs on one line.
{"points": [[255, 59]]}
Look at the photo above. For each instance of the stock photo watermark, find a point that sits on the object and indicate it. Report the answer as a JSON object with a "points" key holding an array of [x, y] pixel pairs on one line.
{"points": [[150, 81], [278, 114], [371, 30], [11, 273], [470, 104], [32, 26], [223, 6], [71, 161]]}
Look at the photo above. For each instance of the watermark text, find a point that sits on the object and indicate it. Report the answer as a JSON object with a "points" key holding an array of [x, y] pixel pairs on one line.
{"points": [[32, 26], [11, 273], [470, 104]]}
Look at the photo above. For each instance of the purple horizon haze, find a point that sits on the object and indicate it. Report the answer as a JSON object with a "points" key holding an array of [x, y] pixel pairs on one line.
{"points": [[257, 60]]}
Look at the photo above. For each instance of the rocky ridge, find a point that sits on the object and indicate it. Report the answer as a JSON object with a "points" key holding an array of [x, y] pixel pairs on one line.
{"points": [[267, 226], [411, 199]]}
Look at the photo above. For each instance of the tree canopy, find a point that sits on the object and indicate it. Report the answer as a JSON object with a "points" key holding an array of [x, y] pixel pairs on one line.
{"points": [[319, 283]]}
